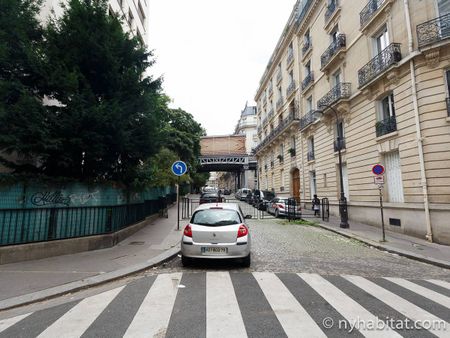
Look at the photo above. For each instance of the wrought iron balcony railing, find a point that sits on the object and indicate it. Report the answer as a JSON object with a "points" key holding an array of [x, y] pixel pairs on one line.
{"points": [[331, 8], [290, 57], [310, 155], [340, 91], [279, 76], [339, 144], [379, 64], [279, 103], [307, 81], [369, 11], [290, 89], [386, 126], [332, 50], [306, 46], [448, 106], [434, 30], [308, 119]]}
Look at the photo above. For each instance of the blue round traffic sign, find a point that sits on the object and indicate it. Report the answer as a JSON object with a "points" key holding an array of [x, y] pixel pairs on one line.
{"points": [[179, 168], [378, 169]]}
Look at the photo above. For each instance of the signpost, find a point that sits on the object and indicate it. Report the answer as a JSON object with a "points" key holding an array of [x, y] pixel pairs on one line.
{"points": [[179, 168], [378, 170]]}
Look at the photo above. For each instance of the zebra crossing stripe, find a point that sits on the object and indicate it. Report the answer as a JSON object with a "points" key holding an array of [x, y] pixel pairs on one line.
{"points": [[152, 318], [5, 323], [401, 305], [440, 283], [74, 322], [346, 306], [430, 294], [223, 317], [293, 317]]}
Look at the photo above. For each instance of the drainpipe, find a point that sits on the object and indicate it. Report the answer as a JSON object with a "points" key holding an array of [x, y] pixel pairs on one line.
{"points": [[423, 177]]}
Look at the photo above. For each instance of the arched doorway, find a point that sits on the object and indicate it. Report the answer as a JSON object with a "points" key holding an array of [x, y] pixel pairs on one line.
{"points": [[296, 184]]}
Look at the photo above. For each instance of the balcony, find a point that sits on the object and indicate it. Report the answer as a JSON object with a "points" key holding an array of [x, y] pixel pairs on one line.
{"points": [[331, 9], [290, 58], [335, 48], [290, 89], [307, 81], [279, 103], [306, 47], [308, 119], [310, 155], [339, 92], [379, 64], [386, 126], [370, 11], [339, 144], [279, 76], [433, 31], [448, 106]]}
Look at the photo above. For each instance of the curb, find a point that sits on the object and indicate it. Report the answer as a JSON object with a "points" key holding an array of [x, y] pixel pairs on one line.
{"points": [[56, 291], [377, 245]]}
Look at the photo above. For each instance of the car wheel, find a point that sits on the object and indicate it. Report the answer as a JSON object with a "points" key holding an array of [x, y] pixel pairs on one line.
{"points": [[246, 261], [277, 213], [185, 261]]}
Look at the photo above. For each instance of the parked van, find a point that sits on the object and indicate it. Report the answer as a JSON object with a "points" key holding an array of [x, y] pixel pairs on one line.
{"points": [[241, 194]]}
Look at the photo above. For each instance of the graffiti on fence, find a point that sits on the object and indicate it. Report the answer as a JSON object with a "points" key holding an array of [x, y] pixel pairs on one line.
{"points": [[47, 198], [83, 198]]}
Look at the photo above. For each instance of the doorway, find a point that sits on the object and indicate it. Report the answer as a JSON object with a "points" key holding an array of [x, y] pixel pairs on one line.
{"points": [[296, 184]]}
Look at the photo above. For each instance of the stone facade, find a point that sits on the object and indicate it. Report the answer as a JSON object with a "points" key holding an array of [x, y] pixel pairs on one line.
{"points": [[376, 74]]}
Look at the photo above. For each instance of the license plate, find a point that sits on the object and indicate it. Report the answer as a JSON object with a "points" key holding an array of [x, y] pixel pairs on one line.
{"points": [[214, 251]]}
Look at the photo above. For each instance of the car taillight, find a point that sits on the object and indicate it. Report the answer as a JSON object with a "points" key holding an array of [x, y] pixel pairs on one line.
{"points": [[243, 231], [281, 206], [188, 231]]}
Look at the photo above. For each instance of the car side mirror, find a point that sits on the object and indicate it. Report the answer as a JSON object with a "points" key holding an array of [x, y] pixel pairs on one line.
{"points": [[248, 216]]}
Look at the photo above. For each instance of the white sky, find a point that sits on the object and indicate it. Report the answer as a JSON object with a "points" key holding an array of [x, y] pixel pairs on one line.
{"points": [[213, 53]]}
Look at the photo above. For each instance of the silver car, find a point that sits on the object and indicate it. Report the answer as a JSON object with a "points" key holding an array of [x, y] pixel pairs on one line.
{"points": [[279, 207], [218, 231]]}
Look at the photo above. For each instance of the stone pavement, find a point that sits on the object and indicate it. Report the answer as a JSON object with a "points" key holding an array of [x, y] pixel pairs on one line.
{"points": [[405, 245], [24, 282]]}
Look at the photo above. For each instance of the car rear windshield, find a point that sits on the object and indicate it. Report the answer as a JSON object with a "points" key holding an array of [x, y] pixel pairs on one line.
{"points": [[209, 195], [216, 217]]}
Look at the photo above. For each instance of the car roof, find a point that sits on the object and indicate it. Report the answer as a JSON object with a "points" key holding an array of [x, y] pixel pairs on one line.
{"points": [[229, 206]]}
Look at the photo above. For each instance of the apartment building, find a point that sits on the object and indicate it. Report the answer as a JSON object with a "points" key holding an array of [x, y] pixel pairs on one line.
{"points": [[134, 14], [372, 79]]}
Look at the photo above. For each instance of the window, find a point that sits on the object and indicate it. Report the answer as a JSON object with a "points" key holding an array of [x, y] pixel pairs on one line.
{"points": [[310, 144], [308, 69], [293, 142], [336, 78], [307, 38], [130, 17], [393, 177], [141, 14], [334, 34], [386, 116], [447, 76], [282, 179], [443, 7], [280, 119], [312, 183], [380, 41], [309, 104], [291, 76], [387, 108]]}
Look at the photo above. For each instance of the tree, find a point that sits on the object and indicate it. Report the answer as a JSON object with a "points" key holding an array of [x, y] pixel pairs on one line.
{"points": [[23, 120]]}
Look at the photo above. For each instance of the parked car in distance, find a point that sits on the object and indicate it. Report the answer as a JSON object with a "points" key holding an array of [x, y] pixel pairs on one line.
{"points": [[217, 231], [279, 207], [210, 197], [241, 194], [249, 197], [262, 198], [226, 191]]}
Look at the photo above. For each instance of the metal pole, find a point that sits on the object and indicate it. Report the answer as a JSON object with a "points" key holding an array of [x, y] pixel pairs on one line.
{"points": [[178, 204], [382, 215]]}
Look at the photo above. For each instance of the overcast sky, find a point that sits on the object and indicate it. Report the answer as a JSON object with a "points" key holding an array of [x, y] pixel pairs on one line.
{"points": [[212, 53]]}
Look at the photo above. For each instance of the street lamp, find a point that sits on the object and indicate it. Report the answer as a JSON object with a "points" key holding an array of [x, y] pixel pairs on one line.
{"points": [[343, 212]]}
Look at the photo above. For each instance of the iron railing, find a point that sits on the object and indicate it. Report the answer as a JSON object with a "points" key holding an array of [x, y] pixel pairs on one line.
{"points": [[386, 126], [369, 11], [306, 46], [290, 57], [307, 81], [28, 225], [379, 64], [332, 50], [339, 144], [448, 106], [434, 30], [308, 119], [331, 8], [290, 89], [279, 103], [310, 155], [341, 91]]}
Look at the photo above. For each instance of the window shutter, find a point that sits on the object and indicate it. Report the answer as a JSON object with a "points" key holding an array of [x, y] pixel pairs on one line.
{"points": [[394, 177]]}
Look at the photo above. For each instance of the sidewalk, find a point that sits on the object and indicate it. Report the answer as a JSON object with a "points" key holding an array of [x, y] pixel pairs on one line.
{"points": [[404, 245], [29, 281]]}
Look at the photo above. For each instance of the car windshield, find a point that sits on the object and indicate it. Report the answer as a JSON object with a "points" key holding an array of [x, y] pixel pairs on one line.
{"points": [[209, 195], [216, 217]]}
